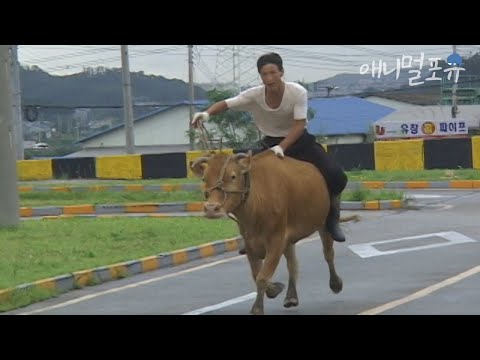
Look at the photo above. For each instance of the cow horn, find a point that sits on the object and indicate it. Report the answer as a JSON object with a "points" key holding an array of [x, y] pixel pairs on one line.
{"points": [[239, 156], [199, 161]]}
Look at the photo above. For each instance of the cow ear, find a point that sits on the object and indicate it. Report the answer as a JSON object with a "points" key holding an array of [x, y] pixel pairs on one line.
{"points": [[198, 167], [244, 160]]}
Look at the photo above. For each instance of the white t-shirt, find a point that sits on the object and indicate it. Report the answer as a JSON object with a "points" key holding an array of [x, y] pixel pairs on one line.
{"points": [[273, 122]]}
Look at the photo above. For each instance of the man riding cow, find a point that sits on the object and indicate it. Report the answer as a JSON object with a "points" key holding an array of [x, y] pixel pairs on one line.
{"points": [[279, 110]]}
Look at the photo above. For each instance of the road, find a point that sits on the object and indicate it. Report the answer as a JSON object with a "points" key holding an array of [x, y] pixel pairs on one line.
{"points": [[427, 263]]}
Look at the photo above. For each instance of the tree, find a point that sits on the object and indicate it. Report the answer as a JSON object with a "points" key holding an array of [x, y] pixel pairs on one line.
{"points": [[235, 128]]}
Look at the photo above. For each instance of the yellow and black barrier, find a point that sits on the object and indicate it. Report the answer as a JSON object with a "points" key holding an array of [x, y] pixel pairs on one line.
{"points": [[418, 154]]}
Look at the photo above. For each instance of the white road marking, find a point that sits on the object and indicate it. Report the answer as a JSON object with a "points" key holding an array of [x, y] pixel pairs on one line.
{"points": [[367, 250], [428, 196], [221, 305], [131, 286], [422, 293], [145, 282]]}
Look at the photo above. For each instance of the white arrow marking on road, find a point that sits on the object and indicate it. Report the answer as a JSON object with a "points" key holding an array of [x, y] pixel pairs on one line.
{"points": [[428, 196], [366, 250]]}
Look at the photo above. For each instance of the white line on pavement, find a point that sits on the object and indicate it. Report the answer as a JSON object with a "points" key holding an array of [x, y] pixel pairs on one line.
{"points": [[221, 305], [422, 293]]}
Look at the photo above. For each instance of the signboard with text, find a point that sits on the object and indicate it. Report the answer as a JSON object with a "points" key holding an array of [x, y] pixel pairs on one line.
{"points": [[420, 128]]}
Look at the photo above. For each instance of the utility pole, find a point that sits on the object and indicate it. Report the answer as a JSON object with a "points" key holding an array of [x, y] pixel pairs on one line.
{"points": [[9, 204], [17, 102], [454, 92], [234, 68], [127, 102], [192, 94], [239, 84]]}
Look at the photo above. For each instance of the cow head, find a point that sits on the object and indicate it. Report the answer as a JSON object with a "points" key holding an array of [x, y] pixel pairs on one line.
{"points": [[226, 179]]}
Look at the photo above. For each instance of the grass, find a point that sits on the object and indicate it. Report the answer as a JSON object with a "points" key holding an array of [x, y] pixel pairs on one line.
{"points": [[35, 199], [355, 175], [92, 182], [40, 249], [38, 199], [402, 175], [369, 194]]}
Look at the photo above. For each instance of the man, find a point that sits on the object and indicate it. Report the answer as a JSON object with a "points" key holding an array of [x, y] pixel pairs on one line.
{"points": [[279, 110]]}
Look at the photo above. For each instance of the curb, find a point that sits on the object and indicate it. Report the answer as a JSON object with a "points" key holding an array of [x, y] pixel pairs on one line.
{"points": [[133, 208], [163, 209], [78, 279], [452, 184], [110, 216], [373, 205]]}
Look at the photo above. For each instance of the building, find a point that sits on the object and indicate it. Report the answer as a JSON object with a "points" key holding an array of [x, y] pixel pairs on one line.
{"points": [[163, 131], [345, 119], [406, 111]]}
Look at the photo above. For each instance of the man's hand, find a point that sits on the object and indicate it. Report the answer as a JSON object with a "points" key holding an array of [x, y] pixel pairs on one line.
{"points": [[278, 151], [203, 116]]}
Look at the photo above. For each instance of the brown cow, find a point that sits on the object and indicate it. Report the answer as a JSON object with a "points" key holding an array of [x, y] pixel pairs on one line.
{"points": [[277, 202]]}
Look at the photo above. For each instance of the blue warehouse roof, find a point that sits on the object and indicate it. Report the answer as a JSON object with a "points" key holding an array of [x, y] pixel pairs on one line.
{"points": [[344, 115]]}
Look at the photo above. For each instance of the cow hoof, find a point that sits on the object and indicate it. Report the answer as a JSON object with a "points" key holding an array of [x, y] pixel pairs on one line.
{"points": [[274, 289], [256, 311], [336, 284], [291, 302]]}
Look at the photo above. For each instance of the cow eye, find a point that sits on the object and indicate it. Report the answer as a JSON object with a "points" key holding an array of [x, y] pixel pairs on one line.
{"points": [[206, 194], [233, 177]]}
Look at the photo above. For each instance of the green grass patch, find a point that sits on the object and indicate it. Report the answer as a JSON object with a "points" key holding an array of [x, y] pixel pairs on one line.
{"points": [[354, 175], [36, 250], [94, 182], [402, 175], [372, 194], [37, 199], [24, 297]]}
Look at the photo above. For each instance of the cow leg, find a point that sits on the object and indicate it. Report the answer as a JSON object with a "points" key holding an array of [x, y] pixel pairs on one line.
{"points": [[273, 289], [255, 265], [336, 283], [272, 258], [291, 299]]}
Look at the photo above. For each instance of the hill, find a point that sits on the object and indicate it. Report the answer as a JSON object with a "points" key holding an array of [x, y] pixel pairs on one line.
{"points": [[99, 87]]}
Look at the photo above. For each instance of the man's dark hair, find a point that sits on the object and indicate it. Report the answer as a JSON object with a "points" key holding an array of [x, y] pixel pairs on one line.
{"points": [[270, 58]]}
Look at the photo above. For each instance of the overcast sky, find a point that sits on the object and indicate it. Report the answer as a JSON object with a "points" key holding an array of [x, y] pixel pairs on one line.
{"points": [[216, 62]]}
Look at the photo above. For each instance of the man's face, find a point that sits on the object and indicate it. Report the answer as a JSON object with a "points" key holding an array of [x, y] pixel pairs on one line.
{"points": [[271, 75]]}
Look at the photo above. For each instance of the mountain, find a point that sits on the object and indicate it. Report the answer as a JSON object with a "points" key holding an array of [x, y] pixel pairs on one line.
{"points": [[57, 99], [99, 87], [346, 84]]}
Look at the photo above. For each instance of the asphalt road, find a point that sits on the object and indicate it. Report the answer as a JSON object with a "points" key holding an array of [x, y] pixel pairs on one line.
{"points": [[424, 260]]}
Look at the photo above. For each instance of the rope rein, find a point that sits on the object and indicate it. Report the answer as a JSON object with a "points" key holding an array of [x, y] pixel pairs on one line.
{"points": [[205, 138], [208, 147]]}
